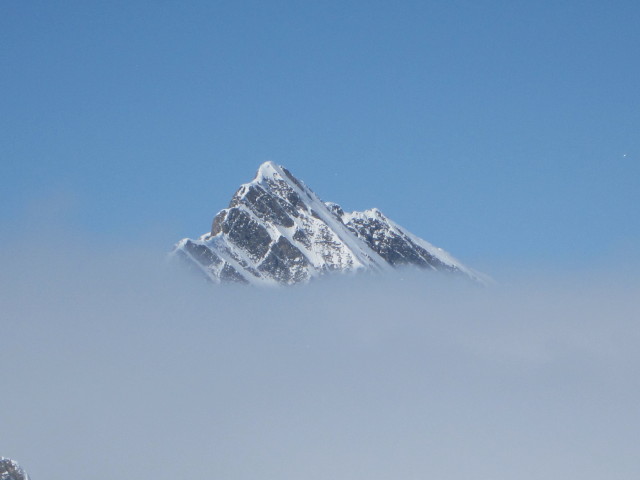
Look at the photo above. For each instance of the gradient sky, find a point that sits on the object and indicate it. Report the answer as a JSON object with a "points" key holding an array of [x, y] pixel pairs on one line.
{"points": [[505, 132]]}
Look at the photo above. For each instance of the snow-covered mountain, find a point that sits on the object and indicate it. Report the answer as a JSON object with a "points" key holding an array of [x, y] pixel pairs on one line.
{"points": [[10, 470], [276, 230]]}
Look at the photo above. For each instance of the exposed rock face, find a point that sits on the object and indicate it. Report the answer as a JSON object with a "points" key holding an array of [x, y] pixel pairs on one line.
{"points": [[10, 470], [389, 241], [277, 231]]}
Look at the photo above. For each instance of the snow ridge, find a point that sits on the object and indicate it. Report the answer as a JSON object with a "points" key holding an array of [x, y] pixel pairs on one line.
{"points": [[276, 230]]}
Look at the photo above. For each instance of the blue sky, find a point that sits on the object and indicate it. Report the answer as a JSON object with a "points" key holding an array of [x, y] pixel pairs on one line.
{"points": [[505, 132]]}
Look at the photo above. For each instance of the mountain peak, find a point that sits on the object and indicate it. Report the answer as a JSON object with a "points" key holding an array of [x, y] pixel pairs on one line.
{"points": [[268, 169], [276, 230]]}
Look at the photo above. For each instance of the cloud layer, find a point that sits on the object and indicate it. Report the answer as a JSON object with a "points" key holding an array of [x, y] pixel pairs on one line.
{"points": [[115, 364]]}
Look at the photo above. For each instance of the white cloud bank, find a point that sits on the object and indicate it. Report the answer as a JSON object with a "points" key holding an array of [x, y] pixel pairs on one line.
{"points": [[113, 366]]}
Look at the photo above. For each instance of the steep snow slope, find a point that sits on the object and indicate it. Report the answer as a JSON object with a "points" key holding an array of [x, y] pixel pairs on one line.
{"points": [[277, 231]]}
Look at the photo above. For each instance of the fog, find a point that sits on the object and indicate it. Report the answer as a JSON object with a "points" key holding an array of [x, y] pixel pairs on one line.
{"points": [[117, 364]]}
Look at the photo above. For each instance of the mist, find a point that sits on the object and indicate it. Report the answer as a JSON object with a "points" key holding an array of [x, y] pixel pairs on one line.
{"points": [[116, 363]]}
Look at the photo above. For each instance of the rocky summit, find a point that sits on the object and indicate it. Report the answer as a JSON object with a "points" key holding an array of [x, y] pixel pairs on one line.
{"points": [[10, 470], [276, 230]]}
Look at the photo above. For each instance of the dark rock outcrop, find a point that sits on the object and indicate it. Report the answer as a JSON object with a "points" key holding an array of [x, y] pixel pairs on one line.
{"points": [[10, 470]]}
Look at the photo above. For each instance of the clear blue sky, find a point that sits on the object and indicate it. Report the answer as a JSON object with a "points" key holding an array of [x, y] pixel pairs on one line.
{"points": [[505, 132]]}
